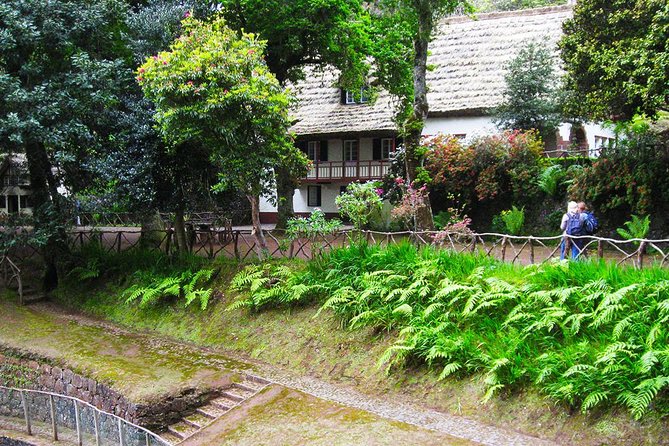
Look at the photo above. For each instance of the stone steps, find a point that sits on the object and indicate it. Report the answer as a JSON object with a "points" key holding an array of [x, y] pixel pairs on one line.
{"points": [[229, 398]]}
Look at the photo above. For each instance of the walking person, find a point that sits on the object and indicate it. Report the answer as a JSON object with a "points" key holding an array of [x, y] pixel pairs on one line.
{"points": [[571, 225], [589, 224]]}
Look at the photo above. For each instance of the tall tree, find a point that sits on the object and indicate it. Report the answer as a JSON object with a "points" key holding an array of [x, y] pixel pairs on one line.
{"points": [[213, 89], [60, 73], [616, 54], [418, 18], [301, 33], [531, 93]]}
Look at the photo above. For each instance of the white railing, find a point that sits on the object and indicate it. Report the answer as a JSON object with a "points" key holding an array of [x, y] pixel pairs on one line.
{"points": [[347, 170], [60, 416]]}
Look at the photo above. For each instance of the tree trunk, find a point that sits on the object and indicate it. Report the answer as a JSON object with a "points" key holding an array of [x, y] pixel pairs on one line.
{"points": [[285, 189], [416, 122], [180, 230], [153, 230], [261, 244], [46, 209]]}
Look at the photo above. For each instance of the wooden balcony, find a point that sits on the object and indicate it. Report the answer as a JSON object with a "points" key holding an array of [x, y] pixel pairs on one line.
{"points": [[348, 170]]}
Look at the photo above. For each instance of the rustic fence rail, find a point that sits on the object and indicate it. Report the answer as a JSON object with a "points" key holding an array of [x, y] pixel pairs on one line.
{"points": [[11, 276], [241, 244], [64, 417]]}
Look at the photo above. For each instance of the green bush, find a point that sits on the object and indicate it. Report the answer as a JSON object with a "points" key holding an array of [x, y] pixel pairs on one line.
{"points": [[513, 219]]}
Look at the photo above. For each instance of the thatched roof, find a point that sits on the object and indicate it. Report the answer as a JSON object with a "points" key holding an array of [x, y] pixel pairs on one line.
{"points": [[470, 57], [321, 112]]}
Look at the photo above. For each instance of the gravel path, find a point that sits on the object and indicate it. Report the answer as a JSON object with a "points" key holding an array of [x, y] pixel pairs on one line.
{"points": [[430, 419]]}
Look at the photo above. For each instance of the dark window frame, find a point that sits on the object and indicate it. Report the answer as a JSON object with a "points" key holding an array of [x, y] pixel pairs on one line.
{"points": [[357, 150], [314, 201]]}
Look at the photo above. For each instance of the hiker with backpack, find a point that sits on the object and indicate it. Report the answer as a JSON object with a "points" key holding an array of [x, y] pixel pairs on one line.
{"points": [[571, 225], [590, 224]]}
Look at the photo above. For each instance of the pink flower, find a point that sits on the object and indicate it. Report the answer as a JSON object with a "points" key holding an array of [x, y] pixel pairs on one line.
{"points": [[141, 70], [399, 181], [190, 83], [251, 52], [187, 14], [379, 192]]}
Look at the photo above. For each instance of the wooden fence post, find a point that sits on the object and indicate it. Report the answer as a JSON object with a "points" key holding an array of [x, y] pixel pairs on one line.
{"points": [[531, 251], [503, 249], [236, 244], [121, 440], [567, 247], [642, 249], [118, 240], [168, 241], [600, 249]]}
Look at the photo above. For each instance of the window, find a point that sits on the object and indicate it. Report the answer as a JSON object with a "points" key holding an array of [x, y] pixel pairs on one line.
{"points": [[386, 148], [351, 150], [313, 196], [312, 150], [3, 202], [25, 202], [349, 97]]}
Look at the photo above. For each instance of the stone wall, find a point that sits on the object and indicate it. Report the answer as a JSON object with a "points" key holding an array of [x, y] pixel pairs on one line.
{"points": [[44, 374]]}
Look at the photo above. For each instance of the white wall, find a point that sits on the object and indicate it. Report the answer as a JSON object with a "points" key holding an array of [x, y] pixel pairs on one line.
{"points": [[471, 126]]}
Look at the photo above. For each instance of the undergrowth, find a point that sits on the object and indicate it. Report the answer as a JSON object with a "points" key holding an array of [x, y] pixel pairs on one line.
{"points": [[147, 276], [583, 333]]}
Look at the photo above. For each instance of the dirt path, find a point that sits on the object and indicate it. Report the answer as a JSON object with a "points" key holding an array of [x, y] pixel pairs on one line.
{"points": [[302, 411]]}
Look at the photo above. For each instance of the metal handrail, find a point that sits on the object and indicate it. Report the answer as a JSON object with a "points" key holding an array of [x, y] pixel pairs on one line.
{"points": [[77, 403], [6, 263]]}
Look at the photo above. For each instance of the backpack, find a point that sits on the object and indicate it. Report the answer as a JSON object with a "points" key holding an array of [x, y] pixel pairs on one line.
{"points": [[590, 224], [574, 226]]}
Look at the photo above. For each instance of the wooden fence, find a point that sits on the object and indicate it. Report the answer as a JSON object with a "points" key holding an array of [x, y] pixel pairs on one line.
{"points": [[241, 244]]}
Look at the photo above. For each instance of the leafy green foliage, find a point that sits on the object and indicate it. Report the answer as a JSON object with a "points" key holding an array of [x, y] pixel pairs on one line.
{"points": [[513, 5], [186, 286], [213, 89], [513, 219], [530, 96], [636, 228], [359, 203], [630, 177], [586, 334], [615, 57], [271, 285], [550, 180], [316, 225], [487, 174]]}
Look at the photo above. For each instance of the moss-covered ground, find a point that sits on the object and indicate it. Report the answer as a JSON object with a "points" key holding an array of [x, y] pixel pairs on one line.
{"points": [[144, 367], [295, 340], [281, 416]]}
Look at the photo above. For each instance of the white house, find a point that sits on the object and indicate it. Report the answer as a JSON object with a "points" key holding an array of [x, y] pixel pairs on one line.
{"points": [[351, 139], [15, 193]]}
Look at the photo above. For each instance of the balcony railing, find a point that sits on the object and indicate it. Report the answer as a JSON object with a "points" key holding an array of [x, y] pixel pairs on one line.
{"points": [[348, 170], [16, 180]]}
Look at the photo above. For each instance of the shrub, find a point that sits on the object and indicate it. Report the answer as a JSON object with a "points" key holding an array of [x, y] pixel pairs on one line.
{"points": [[486, 174], [629, 177], [360, 202], [637, 228], [550, 179], [187, 286], [513, 219]]}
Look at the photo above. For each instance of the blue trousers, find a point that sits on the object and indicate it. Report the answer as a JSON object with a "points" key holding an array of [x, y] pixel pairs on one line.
{"points": [[575, 248]]}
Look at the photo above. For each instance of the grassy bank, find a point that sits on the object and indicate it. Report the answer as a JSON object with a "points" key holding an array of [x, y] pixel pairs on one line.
{"points": [[290, 331]]}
